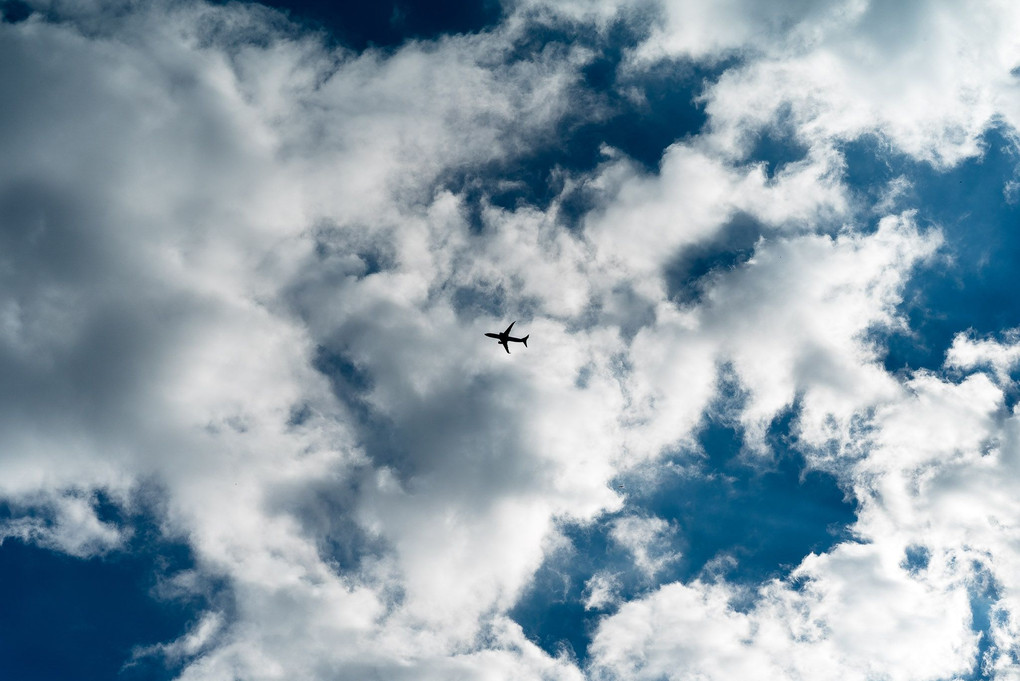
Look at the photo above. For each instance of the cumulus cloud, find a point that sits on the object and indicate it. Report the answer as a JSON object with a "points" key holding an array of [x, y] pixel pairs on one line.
{"points": [[927, 76], [159, 321], [968, 353], [916, 75], [853, 615], [248, 266]]}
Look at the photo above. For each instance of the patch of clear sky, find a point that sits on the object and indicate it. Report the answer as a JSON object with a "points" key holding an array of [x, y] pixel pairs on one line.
{"points": [[974, 287], [731, 515], [63, 617], [390, 23]]}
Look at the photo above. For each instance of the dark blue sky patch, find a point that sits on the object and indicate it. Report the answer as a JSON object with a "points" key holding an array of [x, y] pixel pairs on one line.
{"points": [[976, 287], [738, 518], [14, 11], [915, 559], [687, 273], [390, 23], [984, 593], [66, 618], [551, 612], [767, 515], [667, 112]]}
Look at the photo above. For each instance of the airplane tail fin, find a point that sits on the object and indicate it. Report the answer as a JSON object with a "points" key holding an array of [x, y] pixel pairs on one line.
{"points": [[526, 340]]}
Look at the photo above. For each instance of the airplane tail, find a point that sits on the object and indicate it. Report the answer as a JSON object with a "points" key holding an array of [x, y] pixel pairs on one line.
{"points": [[526, 340]]}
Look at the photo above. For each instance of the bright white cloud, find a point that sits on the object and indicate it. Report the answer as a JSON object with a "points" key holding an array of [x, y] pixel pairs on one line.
{"points": [[929, 77], [67, 523], [856, 616], [968, 353]]}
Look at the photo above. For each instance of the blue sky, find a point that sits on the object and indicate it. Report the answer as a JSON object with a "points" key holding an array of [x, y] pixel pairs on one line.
{"points": [[250, 427]]}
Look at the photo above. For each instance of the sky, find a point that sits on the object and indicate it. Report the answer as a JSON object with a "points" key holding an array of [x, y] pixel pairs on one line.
{"points": [[766, 425]]}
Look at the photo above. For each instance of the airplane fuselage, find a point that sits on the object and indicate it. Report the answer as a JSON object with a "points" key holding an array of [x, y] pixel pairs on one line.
{"points": [[501, 339], [505, 338]]}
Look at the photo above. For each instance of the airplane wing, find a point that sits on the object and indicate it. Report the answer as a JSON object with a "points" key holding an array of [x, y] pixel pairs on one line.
{"points": [[507, 346], [507, 332]]}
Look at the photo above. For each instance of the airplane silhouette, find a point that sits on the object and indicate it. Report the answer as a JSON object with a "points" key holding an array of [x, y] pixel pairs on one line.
{"points": [[503, 338]]}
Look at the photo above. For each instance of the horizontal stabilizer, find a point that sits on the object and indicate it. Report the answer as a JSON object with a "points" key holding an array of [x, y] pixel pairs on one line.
{"points": [[525, 339]]}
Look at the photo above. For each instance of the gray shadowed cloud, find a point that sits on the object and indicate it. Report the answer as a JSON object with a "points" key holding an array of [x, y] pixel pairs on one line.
{"points": [[732, 245]]}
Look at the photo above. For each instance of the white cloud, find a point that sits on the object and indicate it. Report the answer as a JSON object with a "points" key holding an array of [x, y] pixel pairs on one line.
{"points": [[191, 220], [68, 523], [929, 77], [651, 217], [188, 645], [601, 591], [933, 468], [648, 540], [792, 322], [968, 353], [941, 475], [154, 244], [857, 616]]}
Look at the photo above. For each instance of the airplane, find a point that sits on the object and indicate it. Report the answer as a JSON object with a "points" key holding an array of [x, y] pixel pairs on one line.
{"points": [[503, 338]]}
